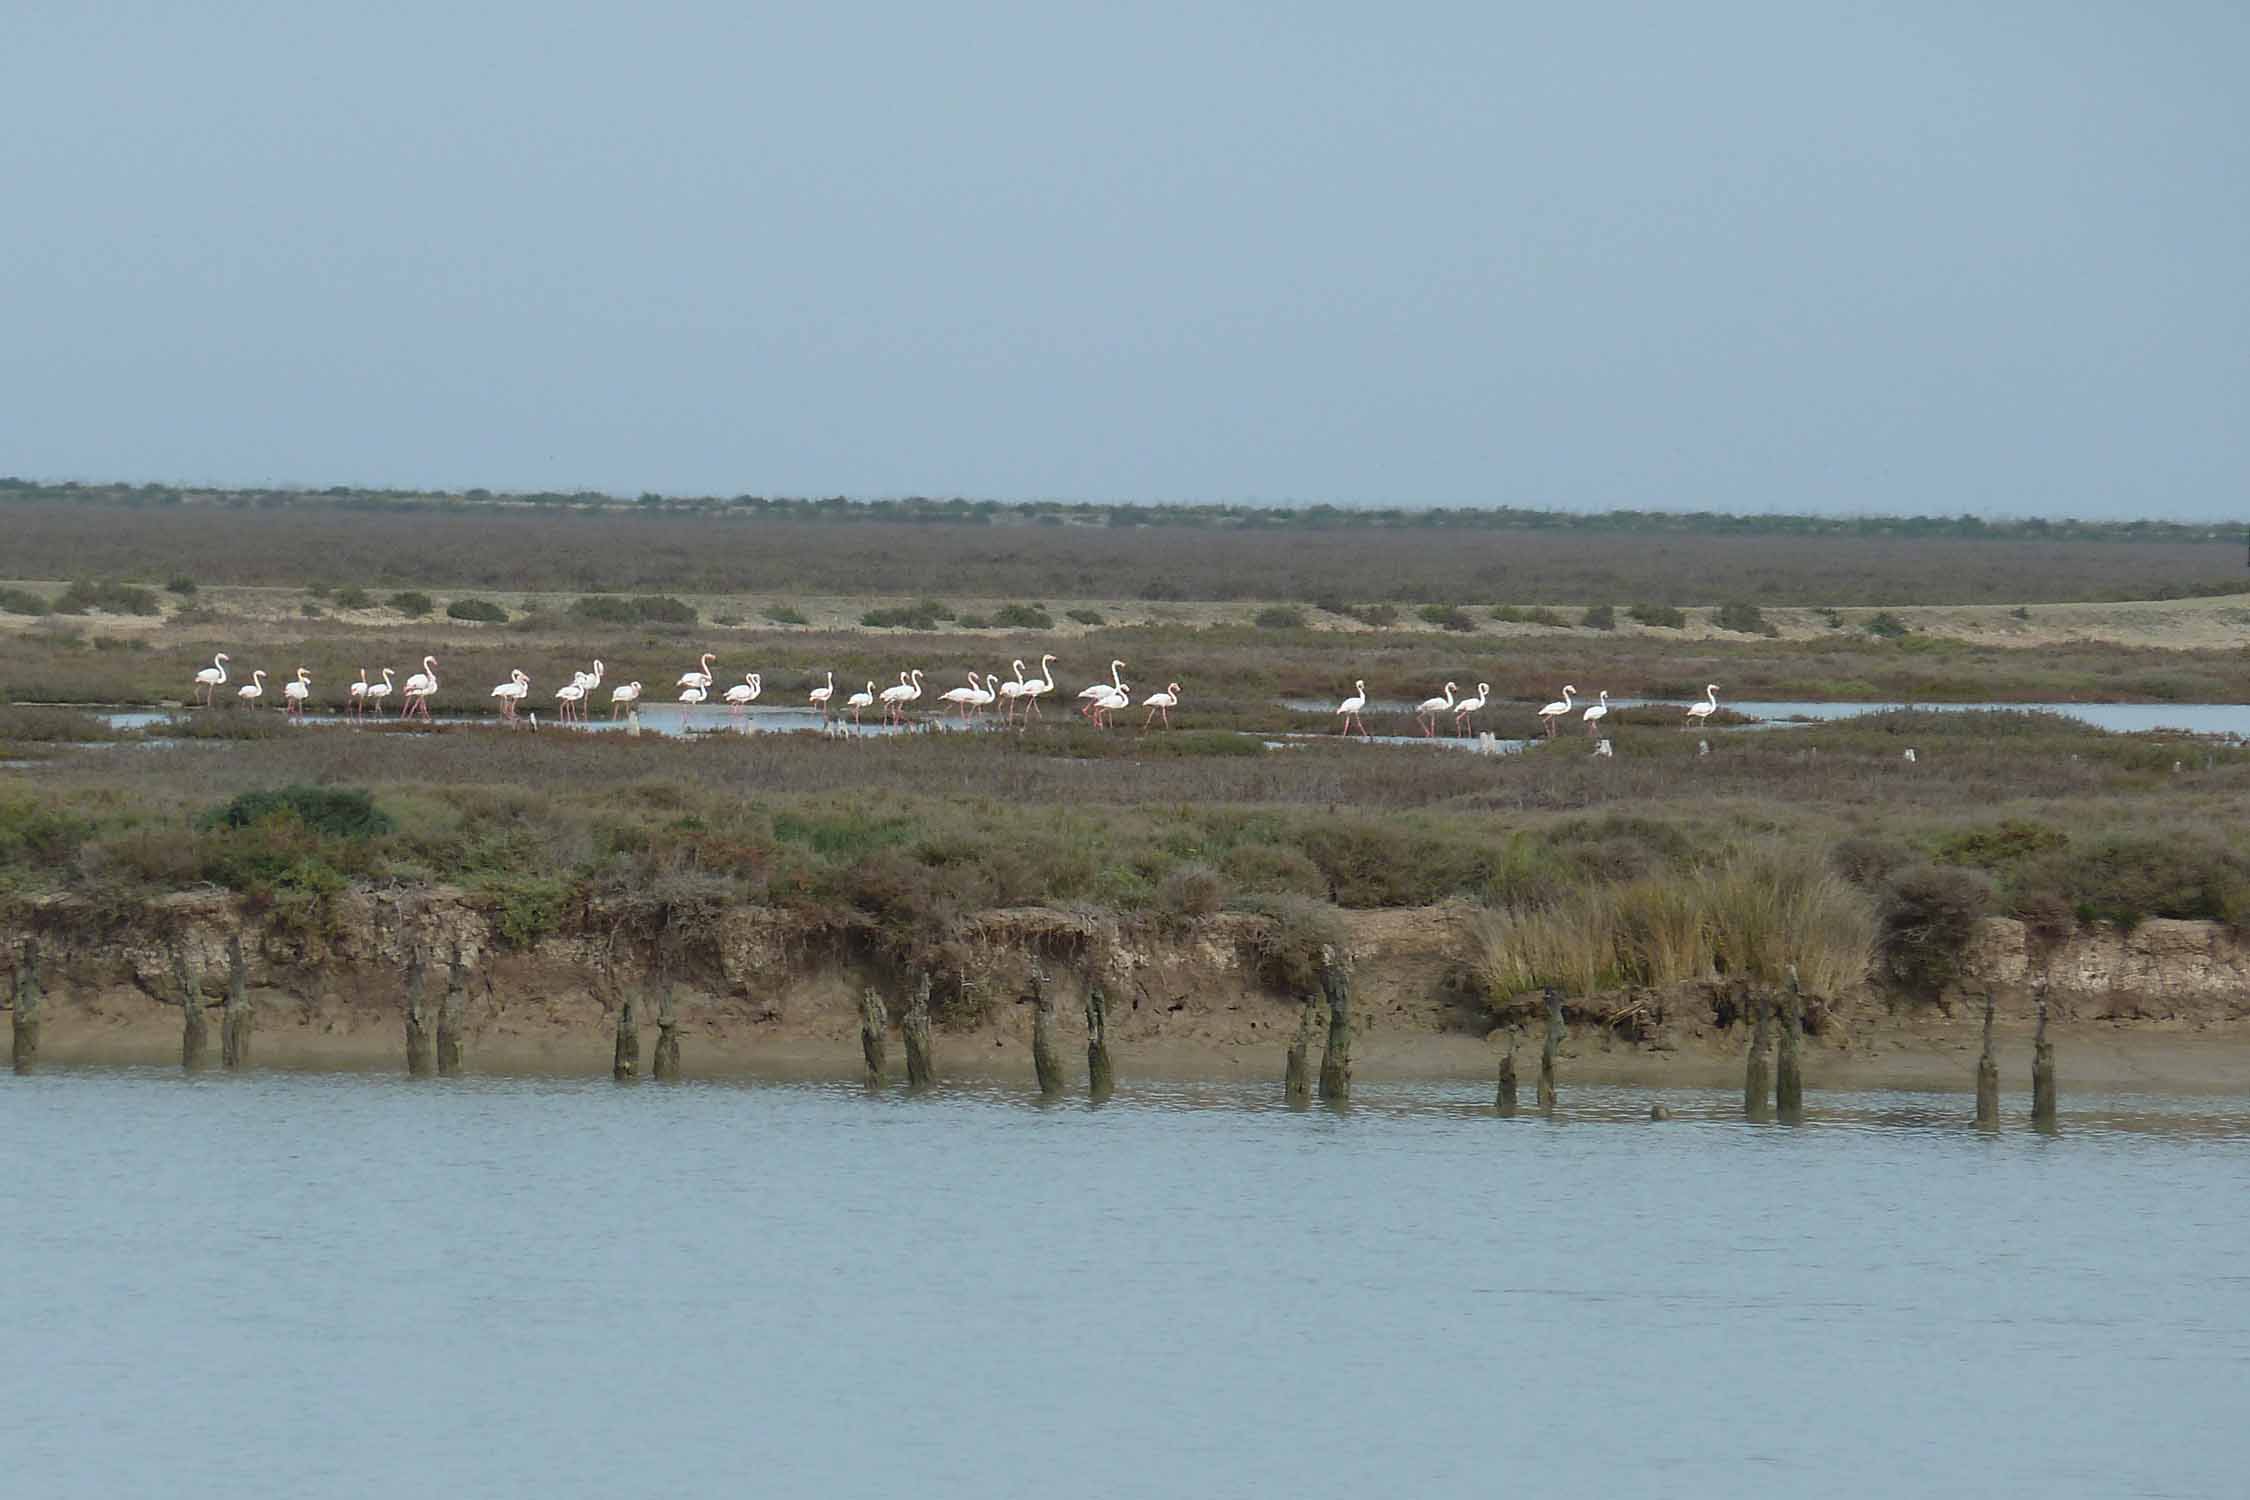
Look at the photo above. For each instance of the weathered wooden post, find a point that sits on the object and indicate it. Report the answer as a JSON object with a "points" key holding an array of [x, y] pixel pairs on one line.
{"points": [[27, 997], [1988, 1076], [1550, 1047], [236, 1020], [1789, 1074], [1336, 1059], [873, 1021], [1101, 1078], [1296, 1077], [625, 1062], [665, 1066], [452, 1015], [2042, 1070], [1757, 1074], [418, 1057], [914, 1030], [194, 1032], [1505, 1100], [1046, 1057]]}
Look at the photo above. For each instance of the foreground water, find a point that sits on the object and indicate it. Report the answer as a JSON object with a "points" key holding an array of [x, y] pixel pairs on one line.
{"points": [[300, 1284]]}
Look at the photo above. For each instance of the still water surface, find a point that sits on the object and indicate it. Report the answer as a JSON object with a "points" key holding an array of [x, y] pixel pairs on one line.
{"points": [[305, 1284]]}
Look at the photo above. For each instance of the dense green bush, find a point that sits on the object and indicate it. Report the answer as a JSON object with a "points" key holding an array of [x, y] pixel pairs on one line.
{"points": [[1509, 614], [23, 602], [1280, 617], [1447, 617], [1087, 616], [1929, 913], [338, 812], [1023, 617], [903, 617], [1600, 617], [413, 604], [181, 584], [109, 597], [352, 596], [480, 611], [641, 609], [1884, 624], [1661, 615], [1742, 617]]}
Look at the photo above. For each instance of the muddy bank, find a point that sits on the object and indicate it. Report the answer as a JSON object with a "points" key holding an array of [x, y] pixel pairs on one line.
{"points": [[2167, 1004]]}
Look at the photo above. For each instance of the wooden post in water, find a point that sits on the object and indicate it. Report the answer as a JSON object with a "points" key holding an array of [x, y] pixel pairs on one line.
{"points": [[914, 1030], [1757, 1075], [1505, 1100], [27, 997], [1101, 1078], [195, 1036], [451, 1015], [1046, 1057], [1336, 1059], [1550, 1047], [1988, 1076], [418, 1055], [1296, 1077], [625, 1062], [1789, 1074], [2042, 1070], [873, 1021], [665, 1066], [236, 1020]]}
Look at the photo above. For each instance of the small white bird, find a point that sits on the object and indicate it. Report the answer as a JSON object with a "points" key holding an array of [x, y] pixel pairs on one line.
{"points": [[1700, 713], [1162, 703], [212, 678], [295, 692], [858, 701], [1602, 748], [1426, 712], [622, 697], [819, 696], [1554, 711], [251, 691], [1593, 716], [1355, 707], [1910, 755]]}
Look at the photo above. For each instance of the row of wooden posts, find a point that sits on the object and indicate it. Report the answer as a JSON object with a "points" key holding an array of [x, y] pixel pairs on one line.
{"points": [[1773, 1080]]}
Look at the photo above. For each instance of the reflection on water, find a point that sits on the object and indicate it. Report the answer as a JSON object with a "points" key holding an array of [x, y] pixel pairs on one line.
{"points": [[2118, 718], [532, 1286]]}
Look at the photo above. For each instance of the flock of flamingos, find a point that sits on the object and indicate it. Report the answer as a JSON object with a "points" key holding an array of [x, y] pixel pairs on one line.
{"points": [[1096, 701]]}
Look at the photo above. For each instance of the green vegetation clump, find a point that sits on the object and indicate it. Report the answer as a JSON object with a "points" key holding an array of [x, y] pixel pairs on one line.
{"points": [[413, 603], [181, 584], [23, 602], [923, 614], [786, 614], [478, 611], [1280, 617], [352, 596], [310, 610], [1600, 617], [1447, 617], [109, 597], [1930, 913], [641, 609], [973, 622], [1743, 618], [338, 812], [1023, 617], [1086, 616], [1376, 616], [1884, 625], [1664, 616]]}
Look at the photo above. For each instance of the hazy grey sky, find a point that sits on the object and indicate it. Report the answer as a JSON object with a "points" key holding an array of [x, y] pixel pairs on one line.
{"points": [[1939, 257]]}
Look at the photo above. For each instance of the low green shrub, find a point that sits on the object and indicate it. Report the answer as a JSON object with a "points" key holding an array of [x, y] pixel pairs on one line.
{"points": [[108, 597], [413, 603], [1023, 617], [1929, 913], [477, 611], [181, 584], [1447, 617], [1280, 617], [1663, 616], [1742, 617], [786, 614], [335, 811], [1884, 625], [23, 602], [1599, 617], [641, 609], [1087, 616], [352, 596]]}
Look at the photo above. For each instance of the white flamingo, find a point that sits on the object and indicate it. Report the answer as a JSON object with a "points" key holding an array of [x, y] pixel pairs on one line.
{"points": [[295, 691], [624, 696], [1468, 706], [895, 699], [743, 694], [568, 697], [1700, 713], [1162, 703], [1012, 692], [860, 700], [1111, 700], [357, 693], [511, 692], [251, 691], [1554, 711], [1038, 687], [1426, 712], [988, 695], [700, 678], [419, 689], [1600, 711], [212, 678], [963, 698], [691, 696], [1090, 698], [378, 691], [1355, 707], [819, 696]]}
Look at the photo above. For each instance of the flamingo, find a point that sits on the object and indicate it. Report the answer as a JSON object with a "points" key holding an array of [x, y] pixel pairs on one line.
{"points": [[212, 678], [418, 690], [1111, 700], [295, 692], [251, 691], [858, 701], [1038, 687], [1162, 703], [744, 693], [1012, 692], [988, 695], [1554, 711], [1426, 712], [895, 699], [819, 696], [1351, 708], [358, 692], [568, 697], [1091, 697], [511, 692], [698, 679], [623, 696], [377, 692], [1468, 706], [691, 696], [963, 698], [1600, 711], [1700, 713]]}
